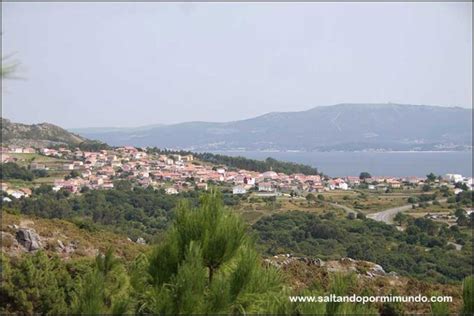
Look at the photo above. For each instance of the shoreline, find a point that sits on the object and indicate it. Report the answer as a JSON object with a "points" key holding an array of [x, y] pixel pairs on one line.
{"points": [[340, 151]]}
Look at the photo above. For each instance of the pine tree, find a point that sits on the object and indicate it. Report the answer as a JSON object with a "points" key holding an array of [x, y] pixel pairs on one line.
{"points": [[36, 284], [207, 264], [105, 289]]}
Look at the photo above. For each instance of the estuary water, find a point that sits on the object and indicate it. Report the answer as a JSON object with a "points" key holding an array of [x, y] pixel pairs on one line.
{"points": [[376, 163]]}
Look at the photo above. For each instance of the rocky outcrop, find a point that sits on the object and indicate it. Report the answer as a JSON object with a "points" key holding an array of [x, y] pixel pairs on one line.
{"points": [[343, 265], [29, 239], [141, 241], [66, 249]]}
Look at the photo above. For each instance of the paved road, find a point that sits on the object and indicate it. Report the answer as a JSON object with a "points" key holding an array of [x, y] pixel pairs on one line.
{"points": [[388, 214]]}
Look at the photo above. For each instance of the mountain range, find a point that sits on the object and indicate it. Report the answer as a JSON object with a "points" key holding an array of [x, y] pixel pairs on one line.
{"points": [[346, 127]]}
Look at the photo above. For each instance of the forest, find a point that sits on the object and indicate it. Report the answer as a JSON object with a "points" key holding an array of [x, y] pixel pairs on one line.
{"points": [[421, 251], [137, 212]]}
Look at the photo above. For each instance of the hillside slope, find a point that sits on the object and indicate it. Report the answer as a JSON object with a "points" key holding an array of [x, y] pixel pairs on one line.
{"points": [[337, 127], [37, 135]]}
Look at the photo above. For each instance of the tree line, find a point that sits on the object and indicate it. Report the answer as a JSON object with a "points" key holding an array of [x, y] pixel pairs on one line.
{"points": [[12, 171], [244, 163]]}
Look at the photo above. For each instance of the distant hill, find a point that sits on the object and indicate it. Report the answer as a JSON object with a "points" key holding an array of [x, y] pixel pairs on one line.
{"points": [[338, 127], [38, 135]]}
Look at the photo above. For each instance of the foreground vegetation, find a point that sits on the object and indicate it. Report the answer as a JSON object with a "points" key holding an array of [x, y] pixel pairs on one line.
{"points": [[206, 259], [206, 263]]}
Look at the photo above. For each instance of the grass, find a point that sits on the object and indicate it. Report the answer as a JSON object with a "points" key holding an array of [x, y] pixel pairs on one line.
{"points": [[441, 209], [28, 158], [369, 201], [255, 208], [53, 164]]}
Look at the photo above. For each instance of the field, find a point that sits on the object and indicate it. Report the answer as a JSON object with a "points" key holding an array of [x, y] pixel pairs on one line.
{"points": [[255, 208], [369, 201], [53, 164]]}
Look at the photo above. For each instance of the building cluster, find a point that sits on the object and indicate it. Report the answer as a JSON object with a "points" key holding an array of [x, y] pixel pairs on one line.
{"points": [[175, 173]]}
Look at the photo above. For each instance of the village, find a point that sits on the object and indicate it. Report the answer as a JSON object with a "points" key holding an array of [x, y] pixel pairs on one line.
{"points": [[175, 173]]}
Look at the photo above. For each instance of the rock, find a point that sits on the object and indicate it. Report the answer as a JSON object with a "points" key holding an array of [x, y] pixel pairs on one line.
{"points": [[14, 226], [347, 260], [71, 247], [29, 239], [318, 262], [377, 269], [141, 241], [60, 244], [311, 262]]}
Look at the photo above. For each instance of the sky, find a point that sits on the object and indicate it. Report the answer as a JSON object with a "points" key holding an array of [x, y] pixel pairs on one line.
{"points": [[135, 64]]}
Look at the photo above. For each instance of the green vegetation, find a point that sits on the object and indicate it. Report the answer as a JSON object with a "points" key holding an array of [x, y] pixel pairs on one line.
{"points": [[9, 67], [468, 296], [420, 251], [86, 145], [207, 264], [104, 289], [11, 170], [137, 213], [35, 284]]}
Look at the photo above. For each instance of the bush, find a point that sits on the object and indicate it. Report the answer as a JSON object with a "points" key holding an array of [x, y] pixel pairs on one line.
{"points": [[11, 170], [468, 296]]}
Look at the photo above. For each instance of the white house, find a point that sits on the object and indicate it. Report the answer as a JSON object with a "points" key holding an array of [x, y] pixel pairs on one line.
{"points": [[453, 177], [171, 190], [249, 180], [238, 190], [265, 186], [342, 186], [68, 166], [17, 194], [37, 166]]}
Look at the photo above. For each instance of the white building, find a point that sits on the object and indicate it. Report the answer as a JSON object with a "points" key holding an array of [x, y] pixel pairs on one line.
{"points": [[68, 166], [453, 177], [342, 186], [265, 187], [171, 190], [249, 180], [238, 190]]}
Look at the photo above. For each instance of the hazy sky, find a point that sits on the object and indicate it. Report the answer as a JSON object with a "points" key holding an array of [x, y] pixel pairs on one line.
{"points": [[131, 64]]}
